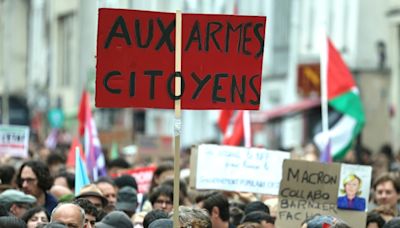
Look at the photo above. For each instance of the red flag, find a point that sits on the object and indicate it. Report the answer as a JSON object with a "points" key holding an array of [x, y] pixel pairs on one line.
{"points": [[71, 153], [232, 127], [82, 113], [339, 76]]}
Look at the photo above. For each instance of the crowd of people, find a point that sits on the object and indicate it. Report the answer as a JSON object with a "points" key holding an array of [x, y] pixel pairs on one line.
{"points": [[40, 192]]}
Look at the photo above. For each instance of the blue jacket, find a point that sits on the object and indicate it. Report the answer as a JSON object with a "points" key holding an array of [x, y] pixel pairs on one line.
{"points": [[357, 203]]}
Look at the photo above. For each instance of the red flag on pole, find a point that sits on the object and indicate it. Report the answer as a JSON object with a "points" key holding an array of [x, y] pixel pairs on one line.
{"points": [[71, 153]]}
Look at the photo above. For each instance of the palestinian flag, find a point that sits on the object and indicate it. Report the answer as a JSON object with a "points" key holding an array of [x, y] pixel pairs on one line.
{"points": [[343, 97]]}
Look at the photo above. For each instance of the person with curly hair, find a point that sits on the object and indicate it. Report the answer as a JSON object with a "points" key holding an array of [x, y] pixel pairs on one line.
{"points": [[34, 178]]}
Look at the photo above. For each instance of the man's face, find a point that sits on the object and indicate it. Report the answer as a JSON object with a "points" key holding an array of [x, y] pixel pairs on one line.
{"points": [[69, 215], [163, 203], [29, 182], [108, 191], [385, 194], [18, 209], [90, 221]]}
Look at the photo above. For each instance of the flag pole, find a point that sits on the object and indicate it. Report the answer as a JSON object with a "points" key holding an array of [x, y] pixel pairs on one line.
{"points": [[177, 106], [324, 85]]}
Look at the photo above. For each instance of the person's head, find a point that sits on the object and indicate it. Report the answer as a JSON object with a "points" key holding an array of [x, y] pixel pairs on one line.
{"points": [[351, 186], [152, 216], [183, 191], [108, 188], [7, 173], [126, 180], [256, 206], [236, 214], [115, 219], [69, 214], [55, 162], [35, 216], [59, 191], [161, 223], [16, 202], [65, 179], [162, 198], [393, 223], [90, 211], [12, 222], [217, 206], [115, 165], [92, 193], [264, 219], [194, 217], [34, 178], [127, 200], [163, 172], [386, 190], [374, 220]]}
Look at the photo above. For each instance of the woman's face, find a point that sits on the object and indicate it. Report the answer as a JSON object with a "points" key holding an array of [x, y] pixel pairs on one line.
{"points": [[37, 218], [352, 187]]}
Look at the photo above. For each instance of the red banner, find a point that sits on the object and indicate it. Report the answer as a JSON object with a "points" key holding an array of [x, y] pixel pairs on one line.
{"points": [[221, 60]]}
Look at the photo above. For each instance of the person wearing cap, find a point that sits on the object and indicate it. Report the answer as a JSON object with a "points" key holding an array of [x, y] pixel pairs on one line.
{"points": [[92, 193], [16, 202], [162, 223], [115, 219], [127, 200], [34, 178]]}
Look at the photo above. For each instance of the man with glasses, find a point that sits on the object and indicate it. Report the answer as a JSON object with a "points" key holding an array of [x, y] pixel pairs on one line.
{"points": [[34, 178]]}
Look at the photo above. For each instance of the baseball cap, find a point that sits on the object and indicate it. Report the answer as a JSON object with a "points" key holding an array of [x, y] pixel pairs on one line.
{"points": [[127, 199], [115, 219], [15, 196]]}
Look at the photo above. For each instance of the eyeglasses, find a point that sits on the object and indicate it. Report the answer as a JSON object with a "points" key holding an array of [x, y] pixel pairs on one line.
{"points": [[167, 202], [28, 180]]}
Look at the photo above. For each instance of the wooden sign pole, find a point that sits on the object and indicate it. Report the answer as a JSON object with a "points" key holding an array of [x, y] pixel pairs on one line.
{"points": [[177, 106]]}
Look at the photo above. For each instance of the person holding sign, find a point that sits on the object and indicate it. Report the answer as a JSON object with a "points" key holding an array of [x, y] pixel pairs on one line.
{"points": [[351, 199]]}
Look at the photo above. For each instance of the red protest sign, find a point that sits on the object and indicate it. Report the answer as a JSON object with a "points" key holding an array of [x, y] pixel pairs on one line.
{"points": [[221, 60]]}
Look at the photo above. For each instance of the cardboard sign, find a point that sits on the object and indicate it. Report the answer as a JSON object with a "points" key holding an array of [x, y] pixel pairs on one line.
{"points": [[237, 169], [142, 175], [14, 141], [221, 60], [309, 188]]}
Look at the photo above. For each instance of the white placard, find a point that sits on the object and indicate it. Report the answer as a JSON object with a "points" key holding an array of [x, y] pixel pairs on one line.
{"points": [[239, 169], [14, 140]]}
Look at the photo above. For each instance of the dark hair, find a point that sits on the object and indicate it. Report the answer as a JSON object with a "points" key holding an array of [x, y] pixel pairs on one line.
{"points": [[118, 162], [216, 199], [3, 210], [105, 179], [256, 206], [162, 190], [55, 158], [152, 216], [11, 222], [258, 216], [69, 177], [31, 212], [375, 217], [87, 206], [183, 193], [393, 223], [385, 177], [236, 215], [7, 173], [45, 181], [162, 167], [126, 180]]}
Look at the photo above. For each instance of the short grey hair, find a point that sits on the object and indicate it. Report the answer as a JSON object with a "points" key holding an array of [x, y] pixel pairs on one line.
{"points": [[194, 217], [82, 212]]}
